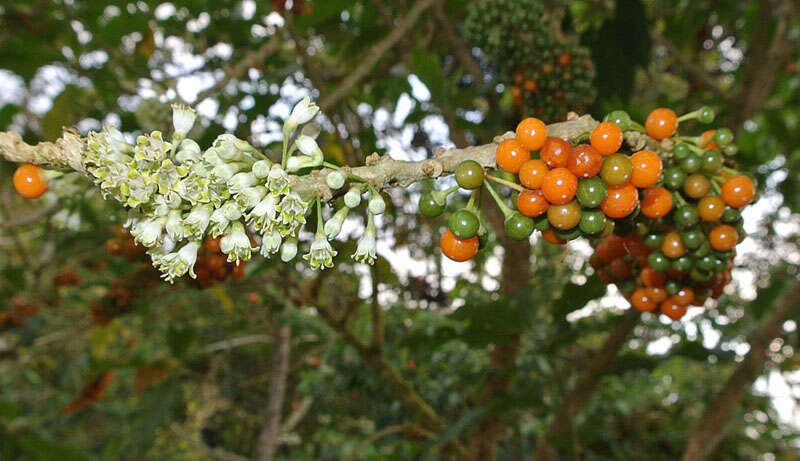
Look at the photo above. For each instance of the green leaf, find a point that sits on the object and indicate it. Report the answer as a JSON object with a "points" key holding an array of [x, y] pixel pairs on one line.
{"points": [[66, 111], [39, 449], [428, 67]]}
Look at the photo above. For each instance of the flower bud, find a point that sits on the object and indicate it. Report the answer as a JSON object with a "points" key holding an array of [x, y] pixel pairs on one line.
{"points": [[182, 119], [261, 168], [334, 225], [289, 249], [335, 179], [303, 112], [376, 203], [353, 197]]}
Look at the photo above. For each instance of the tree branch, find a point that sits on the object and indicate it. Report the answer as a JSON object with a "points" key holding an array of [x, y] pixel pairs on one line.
{"points": [[376, 53], [461, 48], [586, 386], [269, 437], [710, 429]]}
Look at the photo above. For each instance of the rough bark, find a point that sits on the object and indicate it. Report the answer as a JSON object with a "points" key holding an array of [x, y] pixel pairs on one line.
{"points": [[710, 430]]}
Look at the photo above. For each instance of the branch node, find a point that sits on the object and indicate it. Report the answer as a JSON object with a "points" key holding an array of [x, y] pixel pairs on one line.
{"points": [[432, 168], [373, 159]]}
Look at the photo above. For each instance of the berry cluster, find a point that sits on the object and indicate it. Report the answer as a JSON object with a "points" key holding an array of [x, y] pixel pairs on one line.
{"points": [[21, 309], [682, 207], [548, 73]]}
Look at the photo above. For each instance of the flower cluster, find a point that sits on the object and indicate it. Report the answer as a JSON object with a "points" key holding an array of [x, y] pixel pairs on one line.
{"points": [[177, 194]]}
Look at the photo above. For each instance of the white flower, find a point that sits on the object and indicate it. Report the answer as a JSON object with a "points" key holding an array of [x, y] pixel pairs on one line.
{"points": [[177, 264], [265, 213], [231, 210], [261, 168], [298, 162], [169, 175], [225, 147], [225, 171], [235, 243], [293, 209], [289, 249], [353, 197], [188, 152], [367, 249], [335, 179], [376, 203], [278, 181], [334, 225], [174, 226], [197, 220], [182, 119], [148, 232], [151, 148], [308, 146], [194, 188], [219, 222], [238, 182], [270, 243], [303, 112], [250, 197], [312, 129], [321, 254]]}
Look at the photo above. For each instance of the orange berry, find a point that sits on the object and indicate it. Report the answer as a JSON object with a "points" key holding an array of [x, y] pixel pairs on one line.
{"points": [[620, 269], [606, 138], [550, 236], [532, 133], [211, 245], [684, 296], [696, 186], [620, 201], [555, 152], [239, 270], [738, 191], [652, 278], [711, 208], [641, 300], [564, 217], [723, 237], [672, 309], [532, 203], [672, 246], [706, 137], [530, 86], [661, 123], [559, 186], [531, 173], [584, 161], [657, 202], [647, 167], [457, 249], [29, 181], [511, 155], [657, 294]]}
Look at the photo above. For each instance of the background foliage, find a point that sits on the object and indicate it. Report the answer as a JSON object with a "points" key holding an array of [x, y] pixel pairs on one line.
{"points": [[501, 345]]}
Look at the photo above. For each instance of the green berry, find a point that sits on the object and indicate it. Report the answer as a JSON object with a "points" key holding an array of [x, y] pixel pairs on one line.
{"points": [[692, 239], [719, 265], [723, 137], [616, 169], [686, 216], [682, 264], [469, 174], [705, 114], [698, 275], [681, 150], [674, 178], [690, 163], [731, 215], [703, 250], [464, 224], [541, 223], [569, 234], [429, 207], [591, 192], [711, 161], [518, 226], [653, 241], [730, 150], [706, 263], [592, 221], [657, 261], [620, 117], [672, 287]]}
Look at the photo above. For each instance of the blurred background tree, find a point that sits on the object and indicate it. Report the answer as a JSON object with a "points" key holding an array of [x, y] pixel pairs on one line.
{"points": [[522, 354]]}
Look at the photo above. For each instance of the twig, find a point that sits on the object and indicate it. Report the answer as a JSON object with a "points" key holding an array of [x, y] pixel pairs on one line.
{"points": [[376, 53], [268, 439], [227, 344], [709, 431]]}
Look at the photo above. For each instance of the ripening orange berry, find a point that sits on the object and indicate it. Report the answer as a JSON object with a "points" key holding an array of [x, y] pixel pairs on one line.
{"points": [[457, 249], [559, 186], [606, 138], [738, 191], [532, 133], [657, 294], [510, 155], [684, 296], [652, 278], [672, 309], [723, 237], [29, 181], [657, 202], [672, 246], [550, 236], [620, 269], [532, 172], [706, 142], [711, 208], [584, 161], [696, 186], [641, 300], [661, 123], [531, 203], [555, 152], [647, 168], [620, 201]]}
